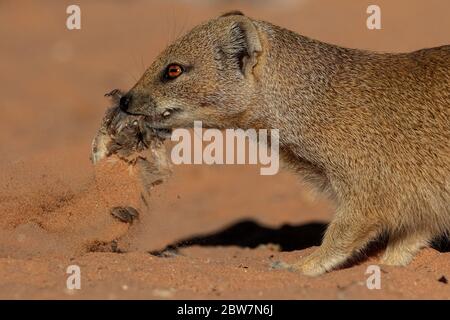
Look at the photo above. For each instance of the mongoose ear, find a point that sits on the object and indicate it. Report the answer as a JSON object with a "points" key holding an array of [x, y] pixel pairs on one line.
{"points": [[245, 45], [232, 13]]}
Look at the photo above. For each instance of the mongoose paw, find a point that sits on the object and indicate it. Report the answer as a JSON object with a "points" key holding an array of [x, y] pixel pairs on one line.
{"points": [[125, 214], [311, 265], [401, 249], [395, 258], [320, 262]]}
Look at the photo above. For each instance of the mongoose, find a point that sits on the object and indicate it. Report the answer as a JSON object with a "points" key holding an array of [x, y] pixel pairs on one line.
{"points": [[372, 130]]}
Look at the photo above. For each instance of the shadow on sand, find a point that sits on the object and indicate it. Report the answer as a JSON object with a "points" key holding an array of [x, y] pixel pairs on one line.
{"points": [[250, 234]]}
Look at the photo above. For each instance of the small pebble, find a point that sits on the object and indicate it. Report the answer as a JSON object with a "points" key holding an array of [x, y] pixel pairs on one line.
{"points": [[443, 279], [125, 214]]}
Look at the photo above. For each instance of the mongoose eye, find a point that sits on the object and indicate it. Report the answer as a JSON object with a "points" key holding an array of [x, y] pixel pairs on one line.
{"points": [[173, 71]]}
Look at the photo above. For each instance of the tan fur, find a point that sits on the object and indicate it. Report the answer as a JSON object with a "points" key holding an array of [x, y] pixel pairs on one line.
{"points": [[370, 129]]}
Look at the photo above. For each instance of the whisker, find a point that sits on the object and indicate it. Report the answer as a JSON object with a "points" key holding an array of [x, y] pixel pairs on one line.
{"points": [[142, 64]]}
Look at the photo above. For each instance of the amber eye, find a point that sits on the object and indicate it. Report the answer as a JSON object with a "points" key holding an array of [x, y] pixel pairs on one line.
{"points": [[173, 71]]}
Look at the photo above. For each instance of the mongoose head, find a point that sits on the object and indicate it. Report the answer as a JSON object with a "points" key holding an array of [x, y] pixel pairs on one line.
{"points": [[207, 75]]}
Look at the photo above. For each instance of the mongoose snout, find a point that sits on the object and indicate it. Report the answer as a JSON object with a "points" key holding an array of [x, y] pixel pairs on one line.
{"points": [[124, 102], [371, 130]]}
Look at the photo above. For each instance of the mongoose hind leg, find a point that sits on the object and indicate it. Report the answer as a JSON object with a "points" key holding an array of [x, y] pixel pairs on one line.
{"points": [[347, 234], [402, 247]]}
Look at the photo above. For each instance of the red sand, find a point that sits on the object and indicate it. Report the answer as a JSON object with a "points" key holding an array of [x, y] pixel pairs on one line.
{"points": [[55, 205]]}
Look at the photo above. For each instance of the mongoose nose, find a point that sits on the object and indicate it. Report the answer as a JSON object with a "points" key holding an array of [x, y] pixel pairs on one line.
{"points": [[125, 102]]}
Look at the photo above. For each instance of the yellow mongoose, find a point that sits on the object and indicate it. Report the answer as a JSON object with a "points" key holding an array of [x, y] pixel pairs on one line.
{"points": [[370, 129]]}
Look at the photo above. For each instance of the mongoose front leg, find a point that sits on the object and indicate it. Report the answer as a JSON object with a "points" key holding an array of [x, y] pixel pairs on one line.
{"points": [[347, 234], [402, 247]]}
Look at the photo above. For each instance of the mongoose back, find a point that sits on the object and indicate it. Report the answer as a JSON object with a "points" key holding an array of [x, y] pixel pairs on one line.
{"points": [[372, 130]]}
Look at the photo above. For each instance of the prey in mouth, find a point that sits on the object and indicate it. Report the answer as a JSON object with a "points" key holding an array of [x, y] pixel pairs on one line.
{"points": [[146, 122], [125, 135]]}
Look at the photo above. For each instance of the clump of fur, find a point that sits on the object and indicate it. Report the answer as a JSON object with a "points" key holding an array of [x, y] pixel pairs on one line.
{"points": [[128, 138]]}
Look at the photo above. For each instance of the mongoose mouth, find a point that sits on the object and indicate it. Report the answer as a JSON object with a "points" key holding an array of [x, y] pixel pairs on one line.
{"points": [[124, 133], [163, 133], [156, 127], [158, 123]]}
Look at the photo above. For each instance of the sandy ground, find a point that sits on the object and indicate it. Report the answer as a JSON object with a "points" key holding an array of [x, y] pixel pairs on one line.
{"points": [[233, 224]]}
